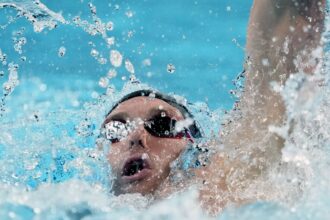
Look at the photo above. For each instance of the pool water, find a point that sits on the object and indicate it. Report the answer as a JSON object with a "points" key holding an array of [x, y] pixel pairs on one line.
{"points": [[64, 63]]}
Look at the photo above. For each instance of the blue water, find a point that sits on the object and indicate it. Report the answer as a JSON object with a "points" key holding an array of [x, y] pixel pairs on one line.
{"points": [[204, 41]]}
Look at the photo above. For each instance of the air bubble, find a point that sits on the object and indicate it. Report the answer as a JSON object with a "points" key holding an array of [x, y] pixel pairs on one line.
{"points": [[116, 58], [2, 73], [163, 114], [61, 51], [170, 68]]}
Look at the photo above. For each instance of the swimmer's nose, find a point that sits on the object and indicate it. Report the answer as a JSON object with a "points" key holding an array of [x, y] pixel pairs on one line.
{"points": [[138, 137], [136, 143]]}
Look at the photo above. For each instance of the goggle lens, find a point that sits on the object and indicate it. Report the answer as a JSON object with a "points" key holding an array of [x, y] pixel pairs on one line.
{"points": [[159, 126]]}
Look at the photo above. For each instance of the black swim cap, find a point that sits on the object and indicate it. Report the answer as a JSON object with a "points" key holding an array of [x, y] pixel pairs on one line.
{"points": [[193, 128]]}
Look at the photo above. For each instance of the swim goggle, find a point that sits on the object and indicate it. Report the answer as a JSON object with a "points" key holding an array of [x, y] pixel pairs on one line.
{"points": [[158, 126]]}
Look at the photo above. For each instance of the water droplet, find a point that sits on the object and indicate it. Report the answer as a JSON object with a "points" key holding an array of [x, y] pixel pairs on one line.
{"points": [[112, 73], [129, 14], [129, 66], [265, 62], [61, 51], [110, 90], [111, 41], [123, 78], [130, 34], [94, 95], [109, 26], [146, 62], [170, 68], [43, 87], [116, 58], [7, 87], [94, 53], [76, 19], [18, 43], [133, 79], [149, 74], [102, 60], [103, 82], [152, 95], [92, 8], [75, 103], [145, 156], [228, 8]]}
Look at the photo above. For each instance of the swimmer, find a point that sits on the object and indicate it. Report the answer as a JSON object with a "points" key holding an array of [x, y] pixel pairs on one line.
{"points": [[284, 37]]}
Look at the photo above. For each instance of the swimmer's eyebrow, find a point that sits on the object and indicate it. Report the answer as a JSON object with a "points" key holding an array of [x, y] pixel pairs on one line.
{"points": [[120, 116]]}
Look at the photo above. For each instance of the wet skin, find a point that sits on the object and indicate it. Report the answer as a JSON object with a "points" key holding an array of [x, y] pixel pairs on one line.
{"points": [[156, 152]]}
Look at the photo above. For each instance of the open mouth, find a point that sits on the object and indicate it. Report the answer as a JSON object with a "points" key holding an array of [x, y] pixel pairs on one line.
{"points": [[136, 168]]}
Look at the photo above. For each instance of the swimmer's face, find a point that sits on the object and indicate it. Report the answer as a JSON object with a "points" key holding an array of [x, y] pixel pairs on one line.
{"points": [[140, 160]]}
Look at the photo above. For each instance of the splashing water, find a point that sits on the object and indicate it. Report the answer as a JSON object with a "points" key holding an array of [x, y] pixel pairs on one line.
{"points": [[51, 168], [36, 12]]}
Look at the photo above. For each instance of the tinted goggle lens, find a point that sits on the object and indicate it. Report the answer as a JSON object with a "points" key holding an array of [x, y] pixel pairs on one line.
{"points": [[161, 126]]}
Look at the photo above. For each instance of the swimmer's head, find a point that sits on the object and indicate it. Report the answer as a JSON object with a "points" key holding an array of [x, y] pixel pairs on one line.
{"points": [[147, 131]]}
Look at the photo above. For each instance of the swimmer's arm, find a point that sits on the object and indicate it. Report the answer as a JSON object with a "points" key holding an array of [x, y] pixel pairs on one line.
{"points": [[283, 38], [278, 32], [282, 35]]}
